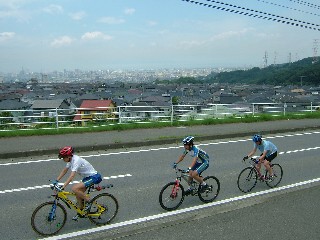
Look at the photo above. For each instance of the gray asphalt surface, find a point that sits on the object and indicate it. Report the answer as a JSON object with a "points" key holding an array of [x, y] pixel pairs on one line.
{"points": [[292, 214], [41, 145]]}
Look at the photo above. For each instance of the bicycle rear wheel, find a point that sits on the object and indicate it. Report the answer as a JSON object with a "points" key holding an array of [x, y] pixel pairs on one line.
{"points": [[212, 191], [247, 179], [277, 172], [171, 196], [48, 218], [104, 208]]}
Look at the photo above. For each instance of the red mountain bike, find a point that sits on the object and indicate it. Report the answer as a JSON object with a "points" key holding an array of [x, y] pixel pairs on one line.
{"points": [[173, 193]]}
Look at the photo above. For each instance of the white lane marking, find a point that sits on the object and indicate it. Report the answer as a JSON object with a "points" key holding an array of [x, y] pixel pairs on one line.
{"points": [[48, 185], [301, 150], [157, 149], [167, 214]]}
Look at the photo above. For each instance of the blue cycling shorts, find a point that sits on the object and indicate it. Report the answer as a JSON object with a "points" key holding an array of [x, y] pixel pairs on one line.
{"points": [[200, 167], [94, 179]]}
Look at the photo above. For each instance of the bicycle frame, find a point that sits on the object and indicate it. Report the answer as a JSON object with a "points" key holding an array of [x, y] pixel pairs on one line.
{"points": [[254, 165], [182, 174], [64, 196]]}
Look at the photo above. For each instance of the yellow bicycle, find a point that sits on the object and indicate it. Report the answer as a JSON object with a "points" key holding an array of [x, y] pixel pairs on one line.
{"points": [[50, 217]]}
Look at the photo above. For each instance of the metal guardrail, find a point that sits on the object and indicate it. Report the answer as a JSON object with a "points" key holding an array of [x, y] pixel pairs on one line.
{"points": [[94, 117]]}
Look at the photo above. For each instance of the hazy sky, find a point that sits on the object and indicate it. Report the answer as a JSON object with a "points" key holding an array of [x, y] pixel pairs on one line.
{"points": [[47, 35]]}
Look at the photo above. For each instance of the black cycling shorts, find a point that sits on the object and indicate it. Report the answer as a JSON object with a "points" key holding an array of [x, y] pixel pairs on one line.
{"points": [[271, 156]]}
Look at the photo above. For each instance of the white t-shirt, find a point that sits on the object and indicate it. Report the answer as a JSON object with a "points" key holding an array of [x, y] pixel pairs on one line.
{"points": [[81, 166]]}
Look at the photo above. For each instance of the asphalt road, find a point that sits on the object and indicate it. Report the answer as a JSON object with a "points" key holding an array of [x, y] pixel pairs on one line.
{"points": [[149, 169], [294, 215]]}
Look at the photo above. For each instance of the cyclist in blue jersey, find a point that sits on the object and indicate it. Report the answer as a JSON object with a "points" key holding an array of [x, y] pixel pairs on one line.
{"points": [[200, 162], [268, 150]]}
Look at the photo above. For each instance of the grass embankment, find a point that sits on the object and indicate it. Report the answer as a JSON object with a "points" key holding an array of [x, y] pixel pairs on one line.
{"points": [[128, 126]]}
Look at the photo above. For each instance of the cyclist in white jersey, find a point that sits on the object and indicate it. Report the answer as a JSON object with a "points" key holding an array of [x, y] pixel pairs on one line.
{"points": [[200, 162], [81, 166], [268, 150]]}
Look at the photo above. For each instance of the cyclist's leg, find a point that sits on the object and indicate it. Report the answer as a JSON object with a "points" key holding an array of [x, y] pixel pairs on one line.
{"points": [[80, 188], [200, 167], [267, 162], [258, 165]]}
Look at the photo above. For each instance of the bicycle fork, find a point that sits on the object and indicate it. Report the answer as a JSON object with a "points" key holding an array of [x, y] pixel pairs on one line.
{"points": [[175, 189], [52, 213]]}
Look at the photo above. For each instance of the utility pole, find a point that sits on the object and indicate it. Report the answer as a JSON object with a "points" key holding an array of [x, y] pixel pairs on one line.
{"points": [[289, 58], [301, 77], [265, 59], [315, 51], [275, 58]]}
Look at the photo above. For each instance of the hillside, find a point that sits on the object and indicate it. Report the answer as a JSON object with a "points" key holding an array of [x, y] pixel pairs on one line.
{"points": [[284, 74]]}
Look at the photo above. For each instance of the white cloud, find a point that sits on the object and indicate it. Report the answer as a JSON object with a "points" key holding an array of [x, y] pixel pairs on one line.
{"points": [[152, 23], [222, 37], [129, 11], [16, 12], [4, 36], [229, 34], [62, 41], [111, 20], [53, 9], [77, 15], [95, 35]]}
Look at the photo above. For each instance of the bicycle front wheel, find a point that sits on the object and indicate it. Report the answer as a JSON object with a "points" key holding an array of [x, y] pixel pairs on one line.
{"points": [[104, 208], [211, 192], [277, 172], [247, 179], [48, 218], [171, 196]]}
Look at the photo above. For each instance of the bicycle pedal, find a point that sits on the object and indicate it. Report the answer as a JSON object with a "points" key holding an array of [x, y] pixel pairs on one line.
{"points": [[194, 193]]}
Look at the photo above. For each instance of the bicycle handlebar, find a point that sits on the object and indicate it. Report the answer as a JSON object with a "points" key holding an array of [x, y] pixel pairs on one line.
{"points": [[181, 170], [57, 187], [252, 161]]}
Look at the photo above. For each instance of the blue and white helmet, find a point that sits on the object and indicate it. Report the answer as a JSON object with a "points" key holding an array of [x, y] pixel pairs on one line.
{"points": [[257, 138], [188, 140]]}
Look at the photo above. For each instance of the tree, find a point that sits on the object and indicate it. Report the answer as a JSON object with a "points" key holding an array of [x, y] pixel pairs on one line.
{"points": [[175, 100], [5, 118]]}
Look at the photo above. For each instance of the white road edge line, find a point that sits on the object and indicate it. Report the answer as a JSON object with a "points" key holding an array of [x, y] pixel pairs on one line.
{"points": [[167, 214], [48, 185], [154, 149]]}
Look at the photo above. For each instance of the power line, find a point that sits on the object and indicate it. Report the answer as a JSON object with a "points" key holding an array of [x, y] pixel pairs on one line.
{"points": [[306, 4], [275, 4], [257, 14]]}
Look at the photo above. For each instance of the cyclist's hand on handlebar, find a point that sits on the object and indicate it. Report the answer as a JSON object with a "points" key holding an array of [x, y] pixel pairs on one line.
{"points": [[245, 158], [55, 182], [174, 165]]}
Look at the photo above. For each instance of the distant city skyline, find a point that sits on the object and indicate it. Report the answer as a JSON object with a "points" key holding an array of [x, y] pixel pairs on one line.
{"points": [[46, 36]]}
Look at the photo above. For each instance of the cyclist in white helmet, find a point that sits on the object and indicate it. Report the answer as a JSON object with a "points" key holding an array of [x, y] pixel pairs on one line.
{"points": [[268, 150], [200, 162]]}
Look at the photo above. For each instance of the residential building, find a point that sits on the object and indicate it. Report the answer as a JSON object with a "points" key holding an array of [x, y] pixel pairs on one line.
{"points": [[96, 110]]}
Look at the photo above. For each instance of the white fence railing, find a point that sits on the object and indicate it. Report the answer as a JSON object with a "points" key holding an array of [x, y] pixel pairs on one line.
{"points": [[77, 117]]}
